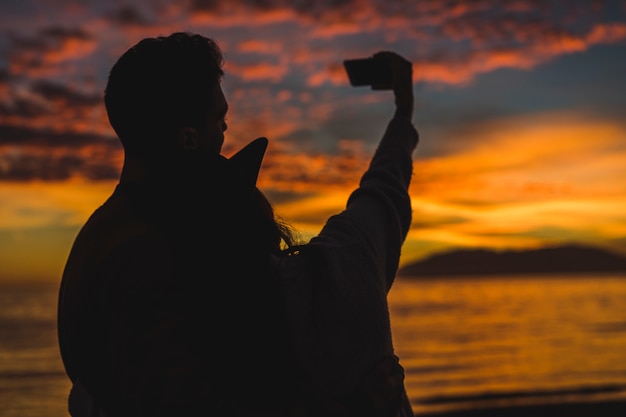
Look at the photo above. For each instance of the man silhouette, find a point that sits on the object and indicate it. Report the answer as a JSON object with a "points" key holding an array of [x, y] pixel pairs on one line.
{"points": [[183, 295]]}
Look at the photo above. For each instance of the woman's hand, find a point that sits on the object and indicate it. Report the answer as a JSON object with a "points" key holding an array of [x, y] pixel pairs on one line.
{"points": [[401, 81]]}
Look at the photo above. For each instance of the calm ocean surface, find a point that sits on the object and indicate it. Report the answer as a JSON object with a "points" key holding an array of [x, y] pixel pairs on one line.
{"points": [[464, 342]]}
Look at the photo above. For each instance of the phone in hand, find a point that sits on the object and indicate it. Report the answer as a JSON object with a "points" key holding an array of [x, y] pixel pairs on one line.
{"points": [[375, 72]]}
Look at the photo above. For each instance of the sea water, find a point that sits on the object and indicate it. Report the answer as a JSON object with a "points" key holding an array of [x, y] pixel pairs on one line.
{"points": [[463, 342], [481, 342], [32, 379]]}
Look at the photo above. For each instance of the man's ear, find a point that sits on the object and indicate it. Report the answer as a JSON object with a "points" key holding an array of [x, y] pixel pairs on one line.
{"points": [[187, 138]]}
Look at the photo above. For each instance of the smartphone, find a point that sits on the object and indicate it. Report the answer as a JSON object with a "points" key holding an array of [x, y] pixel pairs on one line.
{"points": [[369, 71]]}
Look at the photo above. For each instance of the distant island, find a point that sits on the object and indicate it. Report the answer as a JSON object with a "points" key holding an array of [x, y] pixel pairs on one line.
{"points": [[551, 260]]}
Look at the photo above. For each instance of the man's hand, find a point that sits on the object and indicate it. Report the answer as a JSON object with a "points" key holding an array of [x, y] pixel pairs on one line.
{"points": [[402, 82]]}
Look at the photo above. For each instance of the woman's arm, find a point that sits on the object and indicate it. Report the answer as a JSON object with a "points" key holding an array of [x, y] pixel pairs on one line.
{"points": [[335, 290]]}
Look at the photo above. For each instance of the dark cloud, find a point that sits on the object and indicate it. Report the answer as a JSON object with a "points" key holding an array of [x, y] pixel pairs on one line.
{"points": [[60, 33], [127, 16], [69, 97], [39, 119], [33, 44], [43, 53], [42, 154], [48, 37], [519, 26], [23, 109], [450, 43], [40, 167], [47, 104], [25, 136], [205, 5], [432, 12], [305, 8]]}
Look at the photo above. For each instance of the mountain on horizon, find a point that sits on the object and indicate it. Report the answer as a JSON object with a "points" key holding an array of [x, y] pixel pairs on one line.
{"points": [[549, 260]]}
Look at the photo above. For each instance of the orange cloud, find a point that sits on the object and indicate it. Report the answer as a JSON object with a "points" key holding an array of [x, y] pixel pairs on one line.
{"points": [[309, 172], [607, 33], [69, 49], [44, 204], [528, 156], [543, 181], [260, 46], [527, 181], [86, 161], [228, 14], [333, 74], [48, 52], [501, 41], [542, 48], [258, 71]]}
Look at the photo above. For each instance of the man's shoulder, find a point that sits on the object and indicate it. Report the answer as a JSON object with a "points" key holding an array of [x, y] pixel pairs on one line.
{"points": [[117, 227]]}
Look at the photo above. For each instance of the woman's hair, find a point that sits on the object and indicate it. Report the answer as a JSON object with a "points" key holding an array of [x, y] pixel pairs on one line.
{"points": [[277, 236], [160, 85]]}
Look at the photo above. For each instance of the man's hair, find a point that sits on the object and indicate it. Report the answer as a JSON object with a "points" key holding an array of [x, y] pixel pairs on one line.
{"points": [[160, 85]]}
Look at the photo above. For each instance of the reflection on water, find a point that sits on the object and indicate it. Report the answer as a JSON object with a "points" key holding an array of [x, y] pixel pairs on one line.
{"points": [[32, 379], [463, 342], [469, 342]]}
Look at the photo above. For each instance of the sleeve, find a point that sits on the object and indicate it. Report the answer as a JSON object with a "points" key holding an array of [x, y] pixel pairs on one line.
{"points": [[336, 288], [378, 214]]}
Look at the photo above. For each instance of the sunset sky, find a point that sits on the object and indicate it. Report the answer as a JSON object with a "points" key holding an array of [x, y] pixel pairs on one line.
{"points": [[520, 105]]}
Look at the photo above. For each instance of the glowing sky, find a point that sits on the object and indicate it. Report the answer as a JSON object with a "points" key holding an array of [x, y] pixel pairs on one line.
{"points": [[520, 105]]}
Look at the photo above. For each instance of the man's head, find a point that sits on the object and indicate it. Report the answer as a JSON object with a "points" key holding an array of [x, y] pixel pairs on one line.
{"points": [[164, 94]]}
